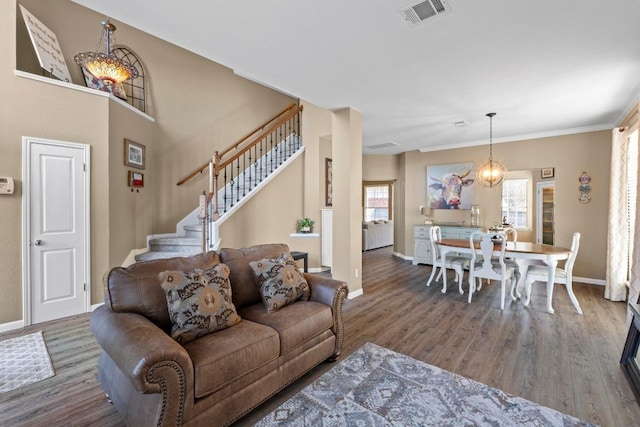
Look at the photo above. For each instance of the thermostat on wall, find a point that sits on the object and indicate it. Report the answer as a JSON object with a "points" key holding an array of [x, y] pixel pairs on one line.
{"points": [[6, 185]]}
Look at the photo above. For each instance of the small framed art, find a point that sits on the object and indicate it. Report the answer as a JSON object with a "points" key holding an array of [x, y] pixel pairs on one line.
{"points": [[547, 172], [133, 154], [135, 179]]}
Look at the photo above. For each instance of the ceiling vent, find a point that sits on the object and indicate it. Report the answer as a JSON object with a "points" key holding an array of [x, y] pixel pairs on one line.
{"points": [[383, 145], [416, 13]]}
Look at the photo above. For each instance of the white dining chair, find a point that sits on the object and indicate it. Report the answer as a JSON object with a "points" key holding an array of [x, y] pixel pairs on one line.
{"points": [[455, 263], [539, 273], [511, 235], [491, 266]]}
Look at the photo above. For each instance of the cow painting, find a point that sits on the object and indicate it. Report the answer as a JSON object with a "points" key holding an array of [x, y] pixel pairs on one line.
{"points": [[446, 189]]}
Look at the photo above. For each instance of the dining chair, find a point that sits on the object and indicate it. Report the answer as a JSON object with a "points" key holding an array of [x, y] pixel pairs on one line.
{"points": [[539, 273], [455, 263], [512, 236], [491, 266]]}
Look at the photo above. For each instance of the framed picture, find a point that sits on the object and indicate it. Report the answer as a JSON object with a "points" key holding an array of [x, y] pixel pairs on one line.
{"points": [[135, 179], [547, 172], [133, 154], [93, 82], [451, 186], [328, 182]]}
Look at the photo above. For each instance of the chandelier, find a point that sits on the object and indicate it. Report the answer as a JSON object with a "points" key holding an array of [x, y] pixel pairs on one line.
{"points": [[103, 64], [491, 173]]}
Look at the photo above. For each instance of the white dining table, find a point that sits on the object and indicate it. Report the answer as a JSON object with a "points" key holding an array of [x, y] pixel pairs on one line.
{"points": [[522, 253]]}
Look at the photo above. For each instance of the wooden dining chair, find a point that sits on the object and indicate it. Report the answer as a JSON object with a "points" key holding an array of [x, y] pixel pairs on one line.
{"points": [[490, 267], [539, 273], [455, 263]]}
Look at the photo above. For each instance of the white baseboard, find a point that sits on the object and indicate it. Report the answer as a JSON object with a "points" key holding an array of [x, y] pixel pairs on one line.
{"points": [[355, 293], [11, 326], [589, 281], [405, 257]]}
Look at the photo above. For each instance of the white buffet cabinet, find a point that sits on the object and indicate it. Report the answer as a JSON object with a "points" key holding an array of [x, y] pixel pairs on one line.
{"points": [[422, 241]]}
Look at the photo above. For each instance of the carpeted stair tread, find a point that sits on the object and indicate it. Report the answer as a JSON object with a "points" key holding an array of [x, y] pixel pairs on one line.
{"points": [[148, 256]]}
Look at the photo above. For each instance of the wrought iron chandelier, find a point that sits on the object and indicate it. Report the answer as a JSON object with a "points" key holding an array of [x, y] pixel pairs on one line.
{"points": [[103, 64], [491, 173]]}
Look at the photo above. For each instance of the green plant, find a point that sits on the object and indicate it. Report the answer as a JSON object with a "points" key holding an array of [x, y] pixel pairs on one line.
{"points": [[305, 223]]}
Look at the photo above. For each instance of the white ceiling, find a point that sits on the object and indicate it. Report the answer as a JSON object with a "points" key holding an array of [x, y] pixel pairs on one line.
{"points": [[547, 67]]}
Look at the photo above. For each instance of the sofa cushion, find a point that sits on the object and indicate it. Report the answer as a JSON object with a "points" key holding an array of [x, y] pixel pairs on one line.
{"points": [[243, 282], [136, 289], [295, 323], [280, 282], [199, 302], [230, 353]]}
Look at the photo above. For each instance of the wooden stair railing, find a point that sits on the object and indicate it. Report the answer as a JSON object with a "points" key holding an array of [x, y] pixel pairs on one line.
{"points": [[235, 171]]}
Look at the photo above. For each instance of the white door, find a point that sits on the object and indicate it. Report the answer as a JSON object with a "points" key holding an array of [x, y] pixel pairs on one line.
{"points": [[56, 183]]}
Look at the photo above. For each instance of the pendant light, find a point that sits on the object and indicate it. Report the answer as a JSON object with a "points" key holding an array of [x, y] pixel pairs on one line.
{"points": [[491, 173], [104, 64]]}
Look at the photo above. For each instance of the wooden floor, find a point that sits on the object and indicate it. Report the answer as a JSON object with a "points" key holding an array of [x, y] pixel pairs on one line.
{"points": [[565, 361]]}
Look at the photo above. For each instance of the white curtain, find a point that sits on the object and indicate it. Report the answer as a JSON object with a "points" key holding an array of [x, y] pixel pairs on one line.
{"points": [[617, 237], [634, 285]]}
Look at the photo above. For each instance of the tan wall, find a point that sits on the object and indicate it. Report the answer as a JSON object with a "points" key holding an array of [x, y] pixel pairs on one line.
{"points": [[570, 155], [131, 211], [199, 106], [377, 167], [36, 109]]}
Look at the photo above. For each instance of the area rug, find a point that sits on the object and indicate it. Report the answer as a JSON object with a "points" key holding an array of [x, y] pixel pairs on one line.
{"points": [[24, 360], [375, 386]]}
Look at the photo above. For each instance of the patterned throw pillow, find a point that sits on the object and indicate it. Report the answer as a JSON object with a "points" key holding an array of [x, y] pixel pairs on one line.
{"points": [[199, 302], [280, 282]]}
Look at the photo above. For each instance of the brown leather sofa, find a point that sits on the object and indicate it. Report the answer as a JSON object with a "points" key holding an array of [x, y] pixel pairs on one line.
{"points": [[217, 378]]}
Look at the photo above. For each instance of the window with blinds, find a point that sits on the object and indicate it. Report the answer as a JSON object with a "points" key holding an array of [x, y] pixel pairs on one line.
{"points": [[514, 202], [377, 203]]}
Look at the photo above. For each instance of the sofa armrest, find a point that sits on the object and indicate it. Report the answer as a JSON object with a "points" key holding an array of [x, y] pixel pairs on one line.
{"points": [[152, 360], [332, 293]]}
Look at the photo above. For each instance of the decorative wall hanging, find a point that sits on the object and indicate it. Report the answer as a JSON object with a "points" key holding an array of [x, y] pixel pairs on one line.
{"points": [[135, 179], [47, 47], [133, 154], [328, 182], [451, 186], [547, 173], [585, 188]]}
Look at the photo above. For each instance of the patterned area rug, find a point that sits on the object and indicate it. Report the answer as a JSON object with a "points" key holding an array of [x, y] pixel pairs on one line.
{"points": [[24, 360], [375, 386]]}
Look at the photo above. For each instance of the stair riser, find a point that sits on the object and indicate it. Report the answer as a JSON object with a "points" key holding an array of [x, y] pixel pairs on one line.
{"points": [[187, 249]]}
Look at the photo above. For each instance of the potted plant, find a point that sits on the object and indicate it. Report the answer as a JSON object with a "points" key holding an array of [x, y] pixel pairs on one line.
{"points": [[305, 225]]}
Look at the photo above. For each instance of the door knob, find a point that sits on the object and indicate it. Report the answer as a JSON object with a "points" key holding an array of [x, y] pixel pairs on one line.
{"points": [[38, 243]]}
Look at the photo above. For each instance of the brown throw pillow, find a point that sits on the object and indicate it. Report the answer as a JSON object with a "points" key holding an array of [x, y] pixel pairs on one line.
{"points": [[199, 302], [280, 282]]}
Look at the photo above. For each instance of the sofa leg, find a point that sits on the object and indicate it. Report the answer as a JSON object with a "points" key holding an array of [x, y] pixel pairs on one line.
{"points": [[333, 357]]}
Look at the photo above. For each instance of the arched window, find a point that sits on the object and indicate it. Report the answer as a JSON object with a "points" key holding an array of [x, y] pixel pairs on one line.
{"points": [[134, 88]]}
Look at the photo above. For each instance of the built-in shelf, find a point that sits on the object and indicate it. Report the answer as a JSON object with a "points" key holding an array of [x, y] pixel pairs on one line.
{"points": [[299, 235], [74, 86]]}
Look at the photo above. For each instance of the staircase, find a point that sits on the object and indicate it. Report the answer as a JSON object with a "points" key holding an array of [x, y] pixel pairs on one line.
{"points": [[264, 161]]}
